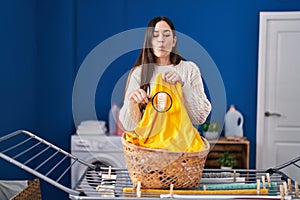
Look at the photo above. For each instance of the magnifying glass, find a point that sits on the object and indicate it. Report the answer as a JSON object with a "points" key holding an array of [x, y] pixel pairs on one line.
{"points": [[161, 101]]}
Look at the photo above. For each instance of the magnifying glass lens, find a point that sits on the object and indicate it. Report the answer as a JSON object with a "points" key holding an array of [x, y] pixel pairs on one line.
{"points": [[161, 101]]}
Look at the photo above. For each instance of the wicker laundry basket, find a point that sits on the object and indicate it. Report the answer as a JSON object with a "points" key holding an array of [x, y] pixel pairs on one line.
{"points": [[158, 169], [31, 192]]}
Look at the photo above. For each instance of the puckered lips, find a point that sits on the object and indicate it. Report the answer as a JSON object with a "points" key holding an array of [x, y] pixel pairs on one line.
{"points": [[160, 48]]}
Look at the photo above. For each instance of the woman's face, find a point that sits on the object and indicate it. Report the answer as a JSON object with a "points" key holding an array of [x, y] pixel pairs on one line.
{"points": [[162, 40]]}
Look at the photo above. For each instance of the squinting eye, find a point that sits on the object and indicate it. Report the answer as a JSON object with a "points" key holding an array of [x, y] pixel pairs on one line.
{"points": [[165, 35]]}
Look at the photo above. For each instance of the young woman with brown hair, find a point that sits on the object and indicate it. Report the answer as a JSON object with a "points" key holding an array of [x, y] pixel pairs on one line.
{"points": [[160, 55]]}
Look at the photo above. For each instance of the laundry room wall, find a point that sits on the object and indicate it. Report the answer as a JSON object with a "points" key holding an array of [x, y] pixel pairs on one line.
{"points": [[17, 73], [43, 44], [18, 65], [37, 72]]}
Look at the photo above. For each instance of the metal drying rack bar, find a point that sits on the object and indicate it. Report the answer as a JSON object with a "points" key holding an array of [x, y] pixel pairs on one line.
{"points": [[51, 164], [39, 157]]}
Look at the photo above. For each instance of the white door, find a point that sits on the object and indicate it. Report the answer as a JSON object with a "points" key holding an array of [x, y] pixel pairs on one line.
{"points": [[278, 101]]}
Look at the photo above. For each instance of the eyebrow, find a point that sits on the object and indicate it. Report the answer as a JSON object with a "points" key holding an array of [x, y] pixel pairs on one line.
{"points": [[167, 30]]}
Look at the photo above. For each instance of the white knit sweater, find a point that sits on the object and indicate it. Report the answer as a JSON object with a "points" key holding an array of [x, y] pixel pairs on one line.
{"points": [[195, 101]]}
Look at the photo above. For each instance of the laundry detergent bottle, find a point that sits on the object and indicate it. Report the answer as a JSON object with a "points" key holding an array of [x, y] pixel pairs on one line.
{"points": [[233, 123]]}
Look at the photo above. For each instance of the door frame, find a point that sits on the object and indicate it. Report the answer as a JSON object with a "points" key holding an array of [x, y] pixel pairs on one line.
{"points": [[265, 17]]}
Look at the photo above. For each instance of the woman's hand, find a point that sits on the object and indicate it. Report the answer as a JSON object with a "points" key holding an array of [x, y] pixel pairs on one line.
{"points": [[138, 96], [172, 77]]}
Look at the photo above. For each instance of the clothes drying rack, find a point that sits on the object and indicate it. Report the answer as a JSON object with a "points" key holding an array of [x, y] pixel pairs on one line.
{"points": [[51, 164]]}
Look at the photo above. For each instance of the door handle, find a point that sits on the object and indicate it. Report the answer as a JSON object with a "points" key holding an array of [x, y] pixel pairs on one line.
{"points": [[268, 114]]}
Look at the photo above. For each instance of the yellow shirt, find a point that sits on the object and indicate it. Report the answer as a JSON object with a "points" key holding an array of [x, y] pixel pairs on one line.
{"points": [[171, 130], [196, 103]]}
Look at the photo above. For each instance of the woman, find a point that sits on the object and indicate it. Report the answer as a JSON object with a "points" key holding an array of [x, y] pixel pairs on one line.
{"points": [[160, 55]]}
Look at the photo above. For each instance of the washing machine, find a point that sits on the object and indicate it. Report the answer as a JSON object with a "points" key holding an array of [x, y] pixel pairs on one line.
{"points": [[99, 150]]}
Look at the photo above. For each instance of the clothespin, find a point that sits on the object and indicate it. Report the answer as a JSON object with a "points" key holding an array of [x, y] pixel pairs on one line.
{"points": [[109, 171], [296, 189], [204, 187], [290, 186], [171, 191], [263, 182], [138, 190], [285, 189], [98, 187], [109, 175], [268, 179], [257, 186], [234, 176], [281, 192]]}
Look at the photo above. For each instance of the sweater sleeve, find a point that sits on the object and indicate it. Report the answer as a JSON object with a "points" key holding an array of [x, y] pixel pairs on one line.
{"points": [[195, 100], [129, 111]]}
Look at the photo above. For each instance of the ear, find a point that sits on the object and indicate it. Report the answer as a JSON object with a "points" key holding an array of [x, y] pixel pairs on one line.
{"points": [[174, 41]]}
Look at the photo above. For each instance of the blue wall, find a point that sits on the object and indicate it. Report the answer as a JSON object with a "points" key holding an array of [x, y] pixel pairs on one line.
{"points": [[43, 44], [17, 72]]}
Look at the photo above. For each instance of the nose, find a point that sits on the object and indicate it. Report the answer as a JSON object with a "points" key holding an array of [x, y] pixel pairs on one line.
{"points": [[160, 38]]}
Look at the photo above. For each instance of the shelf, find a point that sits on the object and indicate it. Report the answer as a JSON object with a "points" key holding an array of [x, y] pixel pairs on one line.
{"points": [[239, 148]]}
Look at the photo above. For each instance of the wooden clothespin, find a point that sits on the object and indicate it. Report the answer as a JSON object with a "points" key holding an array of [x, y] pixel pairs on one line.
{"points": [[281, 192], [289, 182], [296, 189], [109, 171], [234, 176], [138, 190], [109, 175], [98, 187], [268, 179], [171, 191], [285, 189], [263, 182], [257, 186]]}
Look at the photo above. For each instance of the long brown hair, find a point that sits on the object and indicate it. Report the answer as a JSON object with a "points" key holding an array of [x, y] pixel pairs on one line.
{"points": [[147, 59]]}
